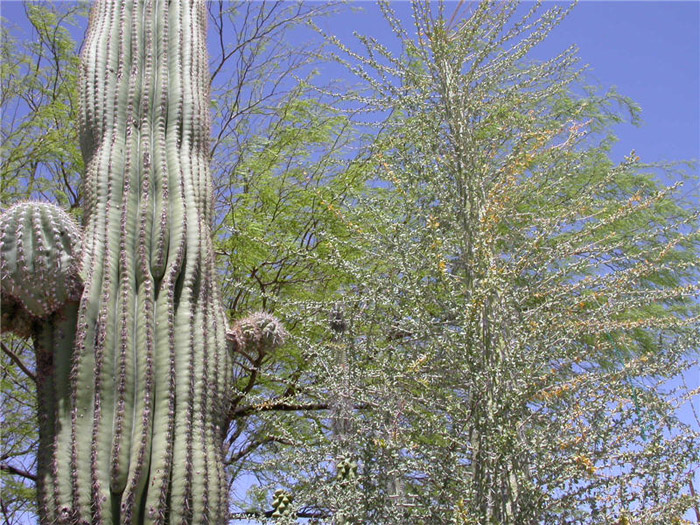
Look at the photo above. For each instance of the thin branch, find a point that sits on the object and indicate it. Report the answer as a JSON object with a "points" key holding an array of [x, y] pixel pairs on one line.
{"points": [[253, 445], [18, 362], [17, 471], [283, 406], [692, 493], [8, 455]]}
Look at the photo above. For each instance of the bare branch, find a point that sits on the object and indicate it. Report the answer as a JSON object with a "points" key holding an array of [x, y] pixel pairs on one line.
{"points": [[281, 405], [17, 471], [9, 353]]}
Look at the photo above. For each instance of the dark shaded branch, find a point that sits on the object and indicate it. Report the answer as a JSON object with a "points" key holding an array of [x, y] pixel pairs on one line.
{"points": [[32, 448], [692, 493], [281, 406], [17, 471], [284, 406], [9, 353], [303, 513]]}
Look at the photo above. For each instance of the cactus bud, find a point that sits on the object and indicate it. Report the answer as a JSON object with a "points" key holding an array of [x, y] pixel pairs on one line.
{"points": [[346, 469], [257, 335], [282, 504]]}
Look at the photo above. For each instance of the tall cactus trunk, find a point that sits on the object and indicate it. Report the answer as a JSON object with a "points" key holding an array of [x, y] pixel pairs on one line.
{"points": [[135, 362], [132, 428]]}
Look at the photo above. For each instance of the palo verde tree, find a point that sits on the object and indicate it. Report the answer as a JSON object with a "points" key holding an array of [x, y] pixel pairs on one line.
{"points": [[517, 304], [522, 298]]}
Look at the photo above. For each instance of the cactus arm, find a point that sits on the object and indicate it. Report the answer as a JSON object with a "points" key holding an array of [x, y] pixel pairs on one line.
{"points": [[39, 243], [53, 343], [39, 249], [43, 343]]}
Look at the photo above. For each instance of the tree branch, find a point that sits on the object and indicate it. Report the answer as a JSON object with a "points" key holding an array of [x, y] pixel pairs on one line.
{"points": [[281, 405], [692, 493], [302, 513], [252, 446], [17, 471], [18, 362]]}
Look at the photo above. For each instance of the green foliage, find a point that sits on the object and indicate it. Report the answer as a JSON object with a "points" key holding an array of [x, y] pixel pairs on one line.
{"points": [[41, 157], [19, 431], [483, 307]]}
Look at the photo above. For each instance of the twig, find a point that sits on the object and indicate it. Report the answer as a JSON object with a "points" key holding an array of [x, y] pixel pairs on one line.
{"points": [[281, 406]]}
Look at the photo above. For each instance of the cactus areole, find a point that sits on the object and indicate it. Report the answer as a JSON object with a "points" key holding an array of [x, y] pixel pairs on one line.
{"points": [[133, 365]]}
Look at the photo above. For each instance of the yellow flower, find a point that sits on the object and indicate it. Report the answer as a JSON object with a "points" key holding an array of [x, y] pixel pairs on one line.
{"points": [[585, 463]]}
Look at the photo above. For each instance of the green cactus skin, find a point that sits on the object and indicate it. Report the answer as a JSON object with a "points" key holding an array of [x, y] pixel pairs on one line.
{"points": [[39, 248], [151, 366], [134, 378]]}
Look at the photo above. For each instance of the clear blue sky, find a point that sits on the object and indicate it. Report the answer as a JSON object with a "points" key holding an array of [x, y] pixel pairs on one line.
{"points": [[651, 52]]}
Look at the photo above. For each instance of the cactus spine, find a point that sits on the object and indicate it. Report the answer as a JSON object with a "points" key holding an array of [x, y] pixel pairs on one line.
{"points": [[135, 375]]}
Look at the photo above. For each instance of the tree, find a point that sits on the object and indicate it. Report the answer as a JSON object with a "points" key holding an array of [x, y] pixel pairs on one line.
{"points": [[524, 286], [478, 298], [40, 155]]}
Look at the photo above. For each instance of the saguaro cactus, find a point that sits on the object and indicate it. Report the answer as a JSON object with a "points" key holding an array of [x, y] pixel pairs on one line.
{"points": [[134, 377]]}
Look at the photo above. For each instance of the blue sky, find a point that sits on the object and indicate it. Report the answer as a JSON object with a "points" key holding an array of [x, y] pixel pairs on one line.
{"points": [[650, 51]]}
